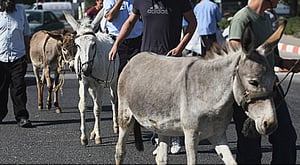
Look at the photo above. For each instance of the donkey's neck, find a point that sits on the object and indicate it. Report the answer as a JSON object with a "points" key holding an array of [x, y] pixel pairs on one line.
{"points": [[102, 65], [215, 79]]}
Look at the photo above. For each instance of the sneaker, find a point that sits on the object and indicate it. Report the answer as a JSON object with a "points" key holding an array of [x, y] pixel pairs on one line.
{"points": [[24, 123], [175, 145]]}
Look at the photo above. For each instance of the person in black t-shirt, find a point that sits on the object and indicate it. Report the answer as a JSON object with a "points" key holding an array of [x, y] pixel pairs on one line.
{"points": [[162, 26]]}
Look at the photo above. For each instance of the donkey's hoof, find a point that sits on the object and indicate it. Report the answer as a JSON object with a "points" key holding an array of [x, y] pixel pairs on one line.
{"points": [[84, 141], [48, 106], [40, 107], [58, 110], [93, 135], [98, 140], [116, 129]]}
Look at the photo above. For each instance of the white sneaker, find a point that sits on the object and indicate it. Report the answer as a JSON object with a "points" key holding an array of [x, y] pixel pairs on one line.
{"points": [[175, 145]]}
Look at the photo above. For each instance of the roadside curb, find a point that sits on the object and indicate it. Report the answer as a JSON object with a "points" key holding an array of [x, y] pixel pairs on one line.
{"points": [[277, 69], [289, 48], [295, 50]]}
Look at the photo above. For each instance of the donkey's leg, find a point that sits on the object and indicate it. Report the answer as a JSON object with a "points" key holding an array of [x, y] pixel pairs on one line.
{"points": [[39, 86], [42, 83], [49, 86], [126, 125], [222, 149], [162, 150], [81, 106], [191, 140], [55, 91], [97, 99], [114, 103]]}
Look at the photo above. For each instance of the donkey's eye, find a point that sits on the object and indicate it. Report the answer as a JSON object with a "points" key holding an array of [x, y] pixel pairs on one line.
{"points": [[253, 82]]}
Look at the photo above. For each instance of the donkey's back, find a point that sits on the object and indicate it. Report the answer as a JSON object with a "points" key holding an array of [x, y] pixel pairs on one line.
{"points": [[43, 50]]}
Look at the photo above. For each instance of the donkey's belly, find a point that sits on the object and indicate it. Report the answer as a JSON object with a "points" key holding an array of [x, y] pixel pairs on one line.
{"points": [[171, 127]]}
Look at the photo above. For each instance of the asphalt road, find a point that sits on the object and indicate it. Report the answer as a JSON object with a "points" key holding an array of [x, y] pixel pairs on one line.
{"points": [[55, 138]]}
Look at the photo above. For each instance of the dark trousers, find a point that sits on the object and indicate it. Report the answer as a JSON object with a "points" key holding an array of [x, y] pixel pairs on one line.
{"points": [[127, 49], [206, 42], [283, 140], [12, 77]]}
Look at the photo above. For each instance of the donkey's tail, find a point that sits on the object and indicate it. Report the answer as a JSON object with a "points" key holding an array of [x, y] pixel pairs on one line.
{"points": [[138, 137]]}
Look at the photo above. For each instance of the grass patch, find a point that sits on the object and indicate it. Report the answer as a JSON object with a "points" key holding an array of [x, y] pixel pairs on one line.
{"points": [[293, 27]]}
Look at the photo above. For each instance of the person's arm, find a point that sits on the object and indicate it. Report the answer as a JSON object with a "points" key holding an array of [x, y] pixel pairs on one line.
{"points": [[27, 41], [287, 63], [125, 31], [218, 15], [234, 42], [26, 34], [114, 11], [192, 23]]}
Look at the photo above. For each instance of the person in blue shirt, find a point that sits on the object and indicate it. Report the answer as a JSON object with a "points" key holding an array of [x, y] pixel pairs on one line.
{"points": [[208, 15], [116, 13], [14, 46]]}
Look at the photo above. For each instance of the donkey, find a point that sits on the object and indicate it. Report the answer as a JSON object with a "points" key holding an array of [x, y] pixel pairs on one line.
{"points": [[95, 71], [49, 51], [193, 97]]}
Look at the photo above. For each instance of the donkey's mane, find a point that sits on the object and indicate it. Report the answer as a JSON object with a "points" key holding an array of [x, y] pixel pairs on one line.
{"points": [[221, 50], [85, 22], [85, 26]]}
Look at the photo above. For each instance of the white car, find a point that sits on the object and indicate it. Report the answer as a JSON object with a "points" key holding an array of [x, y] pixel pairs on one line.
{"points": [[56, 7], [282, 8]]}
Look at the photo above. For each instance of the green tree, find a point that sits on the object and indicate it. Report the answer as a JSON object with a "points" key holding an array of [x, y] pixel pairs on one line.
{"points": [[89, 3]]}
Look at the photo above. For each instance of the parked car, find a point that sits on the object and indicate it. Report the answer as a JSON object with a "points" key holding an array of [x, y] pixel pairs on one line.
{"points": [[282, 8], [56, 7], [43, 20]]}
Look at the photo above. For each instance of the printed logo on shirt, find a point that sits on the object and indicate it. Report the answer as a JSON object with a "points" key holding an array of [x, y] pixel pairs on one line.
{"points": [[156, 9], [122, 7]]}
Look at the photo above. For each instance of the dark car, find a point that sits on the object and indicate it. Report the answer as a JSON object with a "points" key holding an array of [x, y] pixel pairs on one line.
{"points": [[43, 20]]}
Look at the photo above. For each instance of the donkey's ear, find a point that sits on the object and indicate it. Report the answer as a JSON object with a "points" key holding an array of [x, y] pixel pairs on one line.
{"points": [[248, 38], [267, 47], [96, 21], [70, 19]]}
